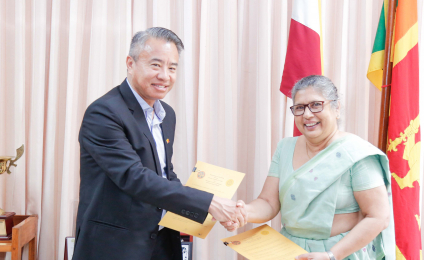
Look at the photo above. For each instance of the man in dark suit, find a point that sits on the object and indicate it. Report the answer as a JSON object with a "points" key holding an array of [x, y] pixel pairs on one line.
{"points": [[127, 178]]}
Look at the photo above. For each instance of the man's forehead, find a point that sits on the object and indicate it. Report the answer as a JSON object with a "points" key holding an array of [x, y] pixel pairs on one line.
{"points": [[155, 43], [167, 46], [159, 49]]}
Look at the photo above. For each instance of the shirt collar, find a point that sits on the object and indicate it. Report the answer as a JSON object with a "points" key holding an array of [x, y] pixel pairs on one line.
{"points": [[159, 110]]}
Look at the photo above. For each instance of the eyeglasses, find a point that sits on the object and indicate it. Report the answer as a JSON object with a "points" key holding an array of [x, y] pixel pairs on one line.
{"points": [[314, 107]]}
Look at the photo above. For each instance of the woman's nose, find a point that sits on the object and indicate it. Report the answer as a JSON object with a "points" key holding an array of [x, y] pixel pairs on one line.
{"points": [[307, 113]]}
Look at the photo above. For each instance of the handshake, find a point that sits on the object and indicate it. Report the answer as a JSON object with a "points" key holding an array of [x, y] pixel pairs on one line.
{"points": [[230, 214]]}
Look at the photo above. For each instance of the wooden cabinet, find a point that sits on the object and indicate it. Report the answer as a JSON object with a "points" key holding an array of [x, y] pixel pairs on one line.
{"points": [[24, 232]]}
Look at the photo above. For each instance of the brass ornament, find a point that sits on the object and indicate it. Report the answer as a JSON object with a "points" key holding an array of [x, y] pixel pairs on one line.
{"points": [[3, 163], [6, 218], [6, 161]]}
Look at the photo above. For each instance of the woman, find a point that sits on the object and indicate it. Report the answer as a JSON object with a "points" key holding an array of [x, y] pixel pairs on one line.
{"points": [[332, 187]]}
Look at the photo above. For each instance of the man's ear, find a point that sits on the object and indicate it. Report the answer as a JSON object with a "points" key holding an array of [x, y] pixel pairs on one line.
{"points": [[130, 63]]}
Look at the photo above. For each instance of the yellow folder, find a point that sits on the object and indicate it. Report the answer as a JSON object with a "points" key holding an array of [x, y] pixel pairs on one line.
{"points": [[210, 178]]}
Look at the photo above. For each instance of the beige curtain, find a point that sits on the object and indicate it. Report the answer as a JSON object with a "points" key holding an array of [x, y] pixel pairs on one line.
{"points": [[58, 56]]}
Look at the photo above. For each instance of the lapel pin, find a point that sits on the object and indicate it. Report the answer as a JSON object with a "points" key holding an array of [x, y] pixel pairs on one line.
{"points": [[167, 141]]}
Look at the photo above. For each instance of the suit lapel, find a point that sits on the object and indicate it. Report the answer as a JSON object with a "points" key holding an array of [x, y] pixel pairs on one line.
{"points": [[139, 117]]}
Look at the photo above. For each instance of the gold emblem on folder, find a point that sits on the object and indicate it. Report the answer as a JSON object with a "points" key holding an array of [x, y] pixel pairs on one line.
{"points": [[229, 182]]}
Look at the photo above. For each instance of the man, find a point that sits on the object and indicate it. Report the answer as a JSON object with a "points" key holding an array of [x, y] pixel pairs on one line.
{"points": [[127, 178]]}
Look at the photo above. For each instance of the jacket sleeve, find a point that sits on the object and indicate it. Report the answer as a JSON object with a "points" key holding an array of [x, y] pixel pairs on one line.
{"points": [[103, 136]]}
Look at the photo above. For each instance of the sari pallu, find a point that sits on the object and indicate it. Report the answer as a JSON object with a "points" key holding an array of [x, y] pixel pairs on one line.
{"points": [[308, 199]]}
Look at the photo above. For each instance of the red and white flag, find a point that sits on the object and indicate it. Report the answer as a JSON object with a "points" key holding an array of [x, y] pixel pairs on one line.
{"points": [[304, 48]]}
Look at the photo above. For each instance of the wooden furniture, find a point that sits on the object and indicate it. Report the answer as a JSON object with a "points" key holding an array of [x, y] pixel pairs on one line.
{"points": [[24, 231], [6, 224]]}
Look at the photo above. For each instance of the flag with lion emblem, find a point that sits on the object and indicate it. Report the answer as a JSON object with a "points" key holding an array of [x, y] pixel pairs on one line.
{"points": [[404, 140]]}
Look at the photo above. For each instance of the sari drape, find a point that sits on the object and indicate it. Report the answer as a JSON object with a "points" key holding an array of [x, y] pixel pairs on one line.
{"points": [[308, 195]]}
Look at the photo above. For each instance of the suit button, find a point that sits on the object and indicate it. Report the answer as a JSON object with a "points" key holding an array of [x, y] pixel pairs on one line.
{"points": [[153, 236], [188, 213], [192, 214], [183, 211], [196, 215], [159, 208]]}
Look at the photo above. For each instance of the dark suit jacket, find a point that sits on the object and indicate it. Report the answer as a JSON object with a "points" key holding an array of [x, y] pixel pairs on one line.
{"points": [[122, 192]]}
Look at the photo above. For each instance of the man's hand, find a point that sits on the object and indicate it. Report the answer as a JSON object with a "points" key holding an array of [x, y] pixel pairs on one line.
{"points": [[227, 211], [313, 256], [241, 217]]}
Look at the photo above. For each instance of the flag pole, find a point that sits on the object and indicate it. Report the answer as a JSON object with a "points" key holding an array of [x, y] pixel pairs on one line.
{"points": [[387, 79]]}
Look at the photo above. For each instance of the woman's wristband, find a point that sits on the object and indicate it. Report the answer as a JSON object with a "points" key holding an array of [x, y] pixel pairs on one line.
{"points": [[330, 254]]}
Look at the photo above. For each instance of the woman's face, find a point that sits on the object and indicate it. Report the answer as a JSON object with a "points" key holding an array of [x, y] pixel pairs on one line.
{"points": [[315, 126]]}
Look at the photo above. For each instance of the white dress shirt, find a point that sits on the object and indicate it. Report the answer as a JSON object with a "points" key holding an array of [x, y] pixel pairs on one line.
{"points": [[154, 117]]}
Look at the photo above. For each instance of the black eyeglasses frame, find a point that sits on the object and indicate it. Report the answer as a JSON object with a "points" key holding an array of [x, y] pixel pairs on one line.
{"points": [[308, 105]]}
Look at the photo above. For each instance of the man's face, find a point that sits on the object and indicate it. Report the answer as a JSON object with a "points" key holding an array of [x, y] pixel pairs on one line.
{"points": [[155, 72]]}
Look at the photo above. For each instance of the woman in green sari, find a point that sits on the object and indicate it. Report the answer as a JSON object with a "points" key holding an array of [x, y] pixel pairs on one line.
{"points": [[331, 187]]}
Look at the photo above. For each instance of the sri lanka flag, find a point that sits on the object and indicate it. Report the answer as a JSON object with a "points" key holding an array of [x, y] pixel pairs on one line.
{"points": [[304, 48], [375, 68], [404, 130]]}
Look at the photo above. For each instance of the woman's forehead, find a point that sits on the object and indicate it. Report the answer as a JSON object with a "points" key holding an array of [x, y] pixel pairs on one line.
{"points": [[307, 95]]}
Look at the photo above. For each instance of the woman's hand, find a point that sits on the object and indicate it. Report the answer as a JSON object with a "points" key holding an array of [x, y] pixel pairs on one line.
{"points": [[232, 226], [261, 210], [229, 226], [314, 256], [226, 210]]}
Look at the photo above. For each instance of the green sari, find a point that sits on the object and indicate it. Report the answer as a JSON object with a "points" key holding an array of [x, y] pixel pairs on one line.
{"points": [[308, 195]]}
